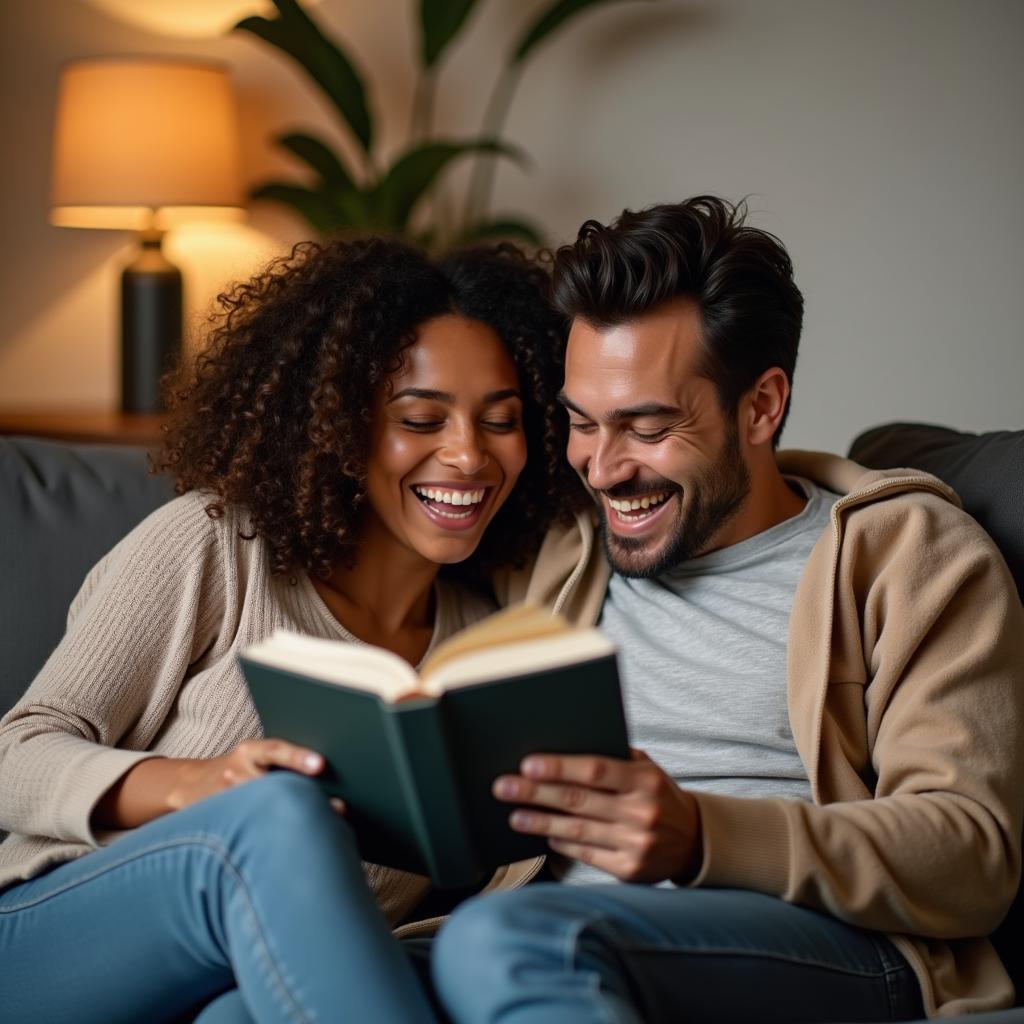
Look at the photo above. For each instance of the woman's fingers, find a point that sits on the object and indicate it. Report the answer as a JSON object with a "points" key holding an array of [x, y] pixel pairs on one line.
{"points": [[259, 755]]}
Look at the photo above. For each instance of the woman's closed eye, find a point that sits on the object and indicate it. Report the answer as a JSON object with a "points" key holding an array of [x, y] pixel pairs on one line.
{"points": [[501, 424], [421, 424]]}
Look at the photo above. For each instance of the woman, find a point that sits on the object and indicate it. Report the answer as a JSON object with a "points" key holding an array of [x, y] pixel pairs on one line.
{"points": [[360, 418]]}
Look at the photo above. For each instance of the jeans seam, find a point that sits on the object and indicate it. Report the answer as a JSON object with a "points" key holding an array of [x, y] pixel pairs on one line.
{"points": [[884, 972], [570, 950], [201, 839]]}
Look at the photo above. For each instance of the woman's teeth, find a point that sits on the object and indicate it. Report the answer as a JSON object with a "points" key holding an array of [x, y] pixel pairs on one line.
{"points": [[438, 497], [626, 510], [450, 497]]}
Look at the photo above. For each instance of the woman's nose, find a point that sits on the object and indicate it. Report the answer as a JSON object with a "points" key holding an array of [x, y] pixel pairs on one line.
{"points": [[463, 451]]}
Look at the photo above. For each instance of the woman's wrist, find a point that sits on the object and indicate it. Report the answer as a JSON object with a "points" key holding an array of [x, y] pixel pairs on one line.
{"points": [[140, 795]]}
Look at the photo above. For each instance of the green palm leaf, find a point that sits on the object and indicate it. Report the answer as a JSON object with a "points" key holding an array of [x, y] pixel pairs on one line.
{"points": [[440, 22], [295, 33], [325, 211], [417, 169], [320, 157], [555, 16]]}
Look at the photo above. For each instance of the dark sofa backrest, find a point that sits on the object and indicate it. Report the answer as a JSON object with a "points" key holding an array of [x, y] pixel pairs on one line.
{"points": [[61, 509], [987, 471]]}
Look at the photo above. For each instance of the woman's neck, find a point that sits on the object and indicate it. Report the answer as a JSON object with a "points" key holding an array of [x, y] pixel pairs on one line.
{"points": [[386, 598]]}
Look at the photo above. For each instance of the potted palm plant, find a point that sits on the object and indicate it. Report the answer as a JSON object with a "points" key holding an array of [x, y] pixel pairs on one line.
{"points": [[363, 195]]}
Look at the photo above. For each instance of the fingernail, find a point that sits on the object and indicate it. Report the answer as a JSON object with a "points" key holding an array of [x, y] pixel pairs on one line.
{"points": [[313, 761], [520, 819], [505, 787], [533, 766]]}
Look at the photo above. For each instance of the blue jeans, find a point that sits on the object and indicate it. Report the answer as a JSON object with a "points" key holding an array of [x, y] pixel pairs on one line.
{"points": [[251, 905], [553, 954]]}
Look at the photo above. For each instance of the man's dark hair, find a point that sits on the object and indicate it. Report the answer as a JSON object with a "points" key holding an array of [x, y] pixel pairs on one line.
{"points": [[741, 279]]}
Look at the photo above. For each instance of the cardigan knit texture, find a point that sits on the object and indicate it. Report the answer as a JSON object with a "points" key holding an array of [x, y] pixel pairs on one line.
{"points": [[147, 668]]}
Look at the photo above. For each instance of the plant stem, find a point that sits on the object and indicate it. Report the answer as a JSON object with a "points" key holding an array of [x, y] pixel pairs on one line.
{"points": [[481, 183], [423, 105]]}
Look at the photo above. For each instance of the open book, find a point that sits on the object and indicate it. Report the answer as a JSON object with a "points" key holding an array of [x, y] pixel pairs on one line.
{"points": [[414, 754]]}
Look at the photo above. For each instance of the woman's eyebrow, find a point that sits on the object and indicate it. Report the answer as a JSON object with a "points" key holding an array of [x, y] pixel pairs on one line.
{"points": [[430, 395], [497, 396], [448, 398]]}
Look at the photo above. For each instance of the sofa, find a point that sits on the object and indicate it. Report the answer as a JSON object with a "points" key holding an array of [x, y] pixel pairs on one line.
{"points": [[62, 507]]}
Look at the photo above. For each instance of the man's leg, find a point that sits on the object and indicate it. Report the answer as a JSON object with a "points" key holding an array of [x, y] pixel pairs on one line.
{"points": [[258, 888], [550, 953]]}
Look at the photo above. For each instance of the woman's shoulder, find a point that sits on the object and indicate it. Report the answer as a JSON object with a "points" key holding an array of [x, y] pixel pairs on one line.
{"points": [[178, 538]]}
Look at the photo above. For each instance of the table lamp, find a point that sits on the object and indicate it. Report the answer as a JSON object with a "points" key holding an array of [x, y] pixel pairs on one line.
{"points": [[142, 145]]}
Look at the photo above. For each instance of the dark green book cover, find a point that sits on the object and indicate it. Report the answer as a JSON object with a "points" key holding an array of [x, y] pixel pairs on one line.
{"points": [[417, 775]]}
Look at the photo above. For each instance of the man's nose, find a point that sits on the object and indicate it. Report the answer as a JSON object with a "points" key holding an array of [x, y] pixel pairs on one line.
{"points": [[606, 466], [463, 451]]}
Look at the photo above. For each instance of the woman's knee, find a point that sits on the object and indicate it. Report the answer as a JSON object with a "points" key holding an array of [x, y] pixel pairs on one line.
{"points": [[279, 808]]}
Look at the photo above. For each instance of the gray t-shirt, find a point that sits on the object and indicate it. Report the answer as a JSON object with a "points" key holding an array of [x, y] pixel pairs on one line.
{"points": [[702, 656]]}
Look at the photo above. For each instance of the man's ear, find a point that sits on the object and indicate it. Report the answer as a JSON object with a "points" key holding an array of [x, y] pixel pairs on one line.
{"points": [[764, 406]]}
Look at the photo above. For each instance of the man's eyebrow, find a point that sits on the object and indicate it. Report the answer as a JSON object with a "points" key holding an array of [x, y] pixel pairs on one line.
{"points": [[628, 413], [447, 398]]}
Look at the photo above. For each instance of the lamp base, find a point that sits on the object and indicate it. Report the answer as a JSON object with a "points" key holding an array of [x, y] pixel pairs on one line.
{"points": [[151, 318]]}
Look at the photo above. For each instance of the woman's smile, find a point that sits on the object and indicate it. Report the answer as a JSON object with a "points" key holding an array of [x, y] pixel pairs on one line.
{"points": [[448, 442], [452, 507]]}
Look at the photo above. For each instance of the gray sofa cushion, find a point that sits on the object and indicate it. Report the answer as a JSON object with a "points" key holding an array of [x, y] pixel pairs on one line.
{"points": [[987, 471], [61, 509]]}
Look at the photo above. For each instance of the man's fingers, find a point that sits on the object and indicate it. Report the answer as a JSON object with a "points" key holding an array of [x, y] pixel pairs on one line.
{"points": [[575, 800], [607, 773], [605, 834]]}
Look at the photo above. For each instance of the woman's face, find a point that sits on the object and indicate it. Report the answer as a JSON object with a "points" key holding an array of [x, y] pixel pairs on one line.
{"points": [[447, 443]]}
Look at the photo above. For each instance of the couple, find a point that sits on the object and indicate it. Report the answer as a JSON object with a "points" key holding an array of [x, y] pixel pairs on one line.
{"points": [[821, 665]]}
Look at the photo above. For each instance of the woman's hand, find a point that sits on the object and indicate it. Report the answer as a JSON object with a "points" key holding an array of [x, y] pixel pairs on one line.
{"points": [[200, 778], [160, 785]]}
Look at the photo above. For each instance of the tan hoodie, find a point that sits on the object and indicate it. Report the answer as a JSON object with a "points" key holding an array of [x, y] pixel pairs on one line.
{"points": [[906, 700]]}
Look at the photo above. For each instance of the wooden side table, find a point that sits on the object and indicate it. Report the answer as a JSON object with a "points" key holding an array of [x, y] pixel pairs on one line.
{"points": [[84, 426]]}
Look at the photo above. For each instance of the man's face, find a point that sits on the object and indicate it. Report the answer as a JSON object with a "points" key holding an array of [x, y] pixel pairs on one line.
{"points": [[649, 439]]}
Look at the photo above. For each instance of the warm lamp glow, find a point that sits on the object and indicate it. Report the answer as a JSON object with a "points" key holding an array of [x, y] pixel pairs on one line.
{"points": [[134, 137], [185, 19]]}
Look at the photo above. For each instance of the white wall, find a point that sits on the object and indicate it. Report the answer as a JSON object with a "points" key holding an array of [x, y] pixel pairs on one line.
{"points": [[882, 140]]}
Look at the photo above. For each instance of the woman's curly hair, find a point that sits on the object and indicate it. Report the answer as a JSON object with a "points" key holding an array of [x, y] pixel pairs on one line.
{"points": [[275, 414]]}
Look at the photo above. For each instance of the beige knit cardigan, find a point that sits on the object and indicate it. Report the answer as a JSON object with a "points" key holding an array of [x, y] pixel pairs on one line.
{"points": [[147, 669]]}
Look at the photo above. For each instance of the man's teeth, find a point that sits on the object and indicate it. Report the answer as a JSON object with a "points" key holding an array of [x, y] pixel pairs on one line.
{"points": [[450, 497], [634, 504]]}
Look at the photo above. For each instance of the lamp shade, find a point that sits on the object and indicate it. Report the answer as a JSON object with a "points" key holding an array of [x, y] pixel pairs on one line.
{"points": [[137, 140]]}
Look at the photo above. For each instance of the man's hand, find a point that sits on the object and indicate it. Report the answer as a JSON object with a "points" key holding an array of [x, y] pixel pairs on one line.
{"points": [[626, 817]]}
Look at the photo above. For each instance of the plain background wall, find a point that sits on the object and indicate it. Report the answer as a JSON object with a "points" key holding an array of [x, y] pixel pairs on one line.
{"points": [[882, 140]]}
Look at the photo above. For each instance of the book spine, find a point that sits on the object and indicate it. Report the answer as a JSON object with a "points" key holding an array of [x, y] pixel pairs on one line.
{"points": [[432, 793]]}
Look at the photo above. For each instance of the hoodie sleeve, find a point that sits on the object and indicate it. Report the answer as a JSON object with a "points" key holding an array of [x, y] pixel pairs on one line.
{"points": [[914, 741]]}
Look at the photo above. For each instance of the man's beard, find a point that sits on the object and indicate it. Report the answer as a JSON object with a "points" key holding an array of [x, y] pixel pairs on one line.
{"points": [[715, 496]]}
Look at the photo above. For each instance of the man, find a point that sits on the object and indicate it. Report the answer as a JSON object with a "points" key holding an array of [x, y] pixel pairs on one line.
{"points": [[821, 668]]}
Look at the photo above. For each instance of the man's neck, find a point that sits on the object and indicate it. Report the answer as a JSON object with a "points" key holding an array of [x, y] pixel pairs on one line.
{"points": [[771, 501]]}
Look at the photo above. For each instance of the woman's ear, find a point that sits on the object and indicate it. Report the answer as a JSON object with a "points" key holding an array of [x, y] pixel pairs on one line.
{"points": [[765, 405]]}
